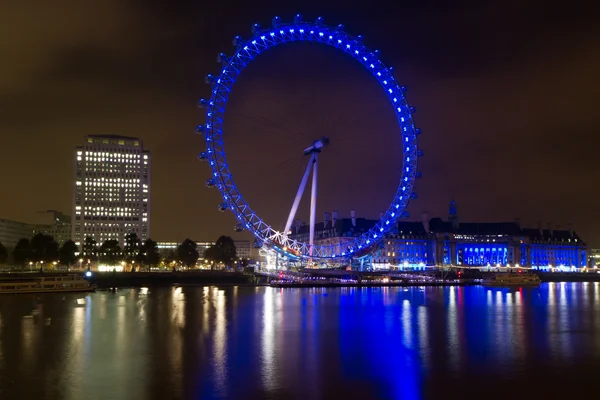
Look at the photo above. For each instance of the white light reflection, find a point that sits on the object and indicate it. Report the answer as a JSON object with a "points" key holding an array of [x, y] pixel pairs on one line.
{"points": [[220, 342], [563, 326], [500, 320], [406, 324], [178, 304], [423, 338], [453, 344], [205, 310], [79, 351], [519, 322], [178, 307], [268, 368], [120, 341]]}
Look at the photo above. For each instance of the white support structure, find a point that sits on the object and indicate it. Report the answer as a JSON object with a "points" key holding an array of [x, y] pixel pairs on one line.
{"points": [[299, 194], [313, 204], [313, 151]]}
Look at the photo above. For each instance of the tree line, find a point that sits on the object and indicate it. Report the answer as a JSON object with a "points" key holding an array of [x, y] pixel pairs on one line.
{"points": [[42, 248]]}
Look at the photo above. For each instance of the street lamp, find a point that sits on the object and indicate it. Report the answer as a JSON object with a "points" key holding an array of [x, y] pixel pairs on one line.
{"points": [[81, 263]]}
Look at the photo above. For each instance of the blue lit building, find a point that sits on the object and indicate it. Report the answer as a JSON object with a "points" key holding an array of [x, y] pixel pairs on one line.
{"points": [[504, 244], [438, 242]]}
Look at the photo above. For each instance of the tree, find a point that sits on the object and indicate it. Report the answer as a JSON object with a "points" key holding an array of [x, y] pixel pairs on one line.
{"points": [[187, 253], [22, 252], [43, 248], [66, 253], [110, 252], [223, 251], [171, 257], [89, 249], [3, 254], [149, 251], [131, 249]]}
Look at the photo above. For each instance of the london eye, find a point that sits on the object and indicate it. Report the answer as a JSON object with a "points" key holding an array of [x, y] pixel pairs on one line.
{"points": [[263, 39]]}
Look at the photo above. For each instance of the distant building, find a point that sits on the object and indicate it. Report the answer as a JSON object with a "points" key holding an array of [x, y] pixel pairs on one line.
{"points": [[11, 231], [164, 248], [435, 242], [111, 189], [504, 244], [594, 258], [59, 228], [243, 249]]}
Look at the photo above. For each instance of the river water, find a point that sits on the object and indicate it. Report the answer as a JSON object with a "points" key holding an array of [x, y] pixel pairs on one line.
{"points": [[264, 343]]}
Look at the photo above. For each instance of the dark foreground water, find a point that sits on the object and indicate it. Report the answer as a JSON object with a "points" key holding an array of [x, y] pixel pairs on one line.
{"points": [[255, 343]]}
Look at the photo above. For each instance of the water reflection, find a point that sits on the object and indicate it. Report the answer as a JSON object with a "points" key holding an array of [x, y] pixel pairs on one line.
{"points": [[207, 342]]}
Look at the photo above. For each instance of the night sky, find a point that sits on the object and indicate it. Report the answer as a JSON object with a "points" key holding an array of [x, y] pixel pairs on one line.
{"points": [[506, 95]]}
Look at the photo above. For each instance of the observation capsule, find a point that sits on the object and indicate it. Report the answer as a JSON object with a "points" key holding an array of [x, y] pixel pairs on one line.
{"points": [[202, 156], [210, 79], [238, 228], [237, 41], [222, 207], [222, 58], [319, 21], [200, 129], [255, 29], [276, 21], [298, 18], [210, 183], [202, 103]]}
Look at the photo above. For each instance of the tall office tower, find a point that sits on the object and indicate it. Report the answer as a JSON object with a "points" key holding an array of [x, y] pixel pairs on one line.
{"points": [[112, 189]]}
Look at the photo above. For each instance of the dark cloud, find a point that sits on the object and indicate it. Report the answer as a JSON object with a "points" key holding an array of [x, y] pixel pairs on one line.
{"points": [[505, 91]]}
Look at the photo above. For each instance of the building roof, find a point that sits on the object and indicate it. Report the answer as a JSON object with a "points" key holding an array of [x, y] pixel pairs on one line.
{"points": [[343, 227], [437, 225], [411, 228], [113, 137]]}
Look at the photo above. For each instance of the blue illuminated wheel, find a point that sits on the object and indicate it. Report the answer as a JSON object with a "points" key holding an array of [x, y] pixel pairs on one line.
{"points": [[246, 51]]}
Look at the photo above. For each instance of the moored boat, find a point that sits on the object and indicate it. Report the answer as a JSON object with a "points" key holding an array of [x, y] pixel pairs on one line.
{"points": [[46, 284], [512, 279]]}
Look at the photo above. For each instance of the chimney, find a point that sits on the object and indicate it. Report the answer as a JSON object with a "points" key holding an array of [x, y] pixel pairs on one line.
{"points": [[327, 219], [550, 228], [425, 221], [570, 228], [334, 218], [353, 216]]}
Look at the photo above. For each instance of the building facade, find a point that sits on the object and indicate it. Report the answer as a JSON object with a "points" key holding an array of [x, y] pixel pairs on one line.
{"points": [[437, 242], [243, 249], [11, 231], [111, 196], [59, 228]]}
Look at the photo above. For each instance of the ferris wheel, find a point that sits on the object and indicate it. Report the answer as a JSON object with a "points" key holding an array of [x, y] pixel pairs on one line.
{"points": [[231, 67]]}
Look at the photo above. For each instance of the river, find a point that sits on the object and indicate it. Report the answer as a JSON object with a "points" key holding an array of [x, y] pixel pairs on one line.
{"points": [[197, 342]]}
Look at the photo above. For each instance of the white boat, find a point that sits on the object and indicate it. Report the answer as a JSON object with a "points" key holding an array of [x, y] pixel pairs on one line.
{"points": [[512, 279], [46, 284]]}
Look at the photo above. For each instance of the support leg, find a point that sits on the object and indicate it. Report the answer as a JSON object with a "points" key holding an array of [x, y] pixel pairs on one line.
{"points": [[313, 204], [290, 219]]}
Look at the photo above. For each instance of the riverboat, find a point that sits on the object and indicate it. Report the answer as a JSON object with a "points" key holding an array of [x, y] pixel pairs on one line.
{"points": [[512, 279], [46, 284]]}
